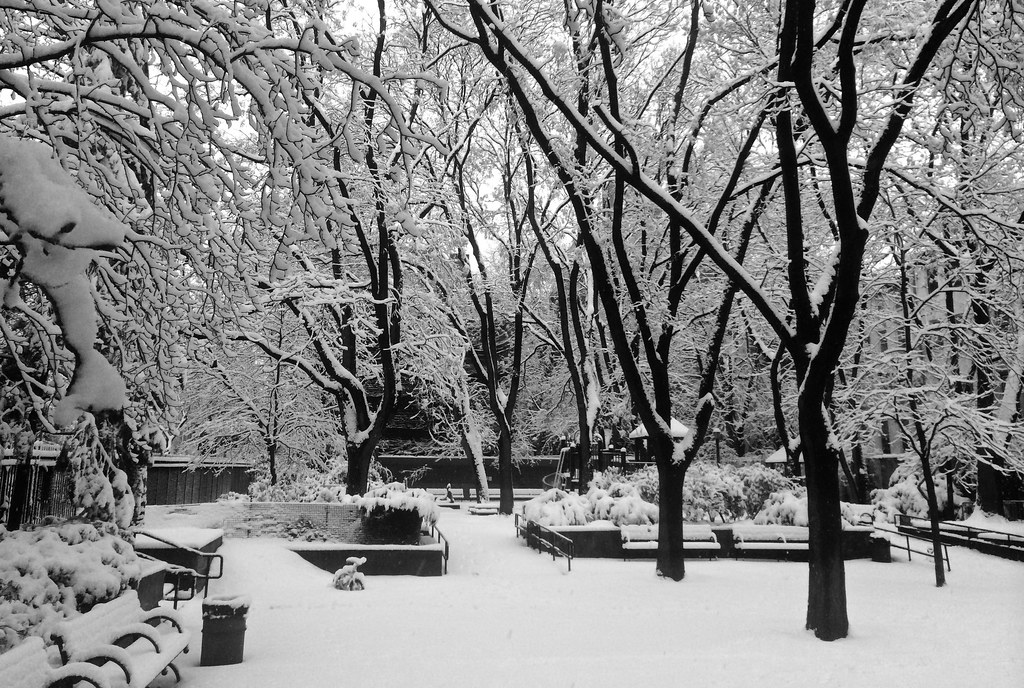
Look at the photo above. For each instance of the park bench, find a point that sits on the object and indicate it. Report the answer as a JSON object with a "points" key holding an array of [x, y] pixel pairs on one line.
{"points": [[488, 509], [133, 646], [644, 538], [28, 665], [779, 541]]}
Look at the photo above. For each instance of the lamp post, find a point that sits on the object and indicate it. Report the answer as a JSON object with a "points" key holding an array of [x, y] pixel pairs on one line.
{"points": [[717, 432]]}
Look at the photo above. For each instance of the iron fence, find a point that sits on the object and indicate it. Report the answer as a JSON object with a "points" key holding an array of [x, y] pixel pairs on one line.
{"points": [[49, 491]]}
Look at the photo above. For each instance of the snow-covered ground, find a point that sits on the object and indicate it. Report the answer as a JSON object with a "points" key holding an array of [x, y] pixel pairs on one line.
{"points": [[508, 616]]}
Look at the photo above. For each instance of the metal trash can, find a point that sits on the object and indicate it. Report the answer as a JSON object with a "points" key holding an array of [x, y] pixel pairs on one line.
{"points": [[224, 629], [880, 549]]}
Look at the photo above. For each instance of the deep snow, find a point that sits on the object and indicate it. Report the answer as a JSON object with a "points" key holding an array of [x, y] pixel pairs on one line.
{"points": [[508, 616]]}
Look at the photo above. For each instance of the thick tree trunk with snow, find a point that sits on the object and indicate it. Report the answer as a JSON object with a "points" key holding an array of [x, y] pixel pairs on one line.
{"points": [[826, 598], [360, 456], [476, 460], [505, 488], [671, 557]]}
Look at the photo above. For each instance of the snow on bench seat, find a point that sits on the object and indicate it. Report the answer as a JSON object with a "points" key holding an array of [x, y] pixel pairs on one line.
{"points": [[484, 509], [132, 645], [781, 538], [28, 666], [645, 537]]}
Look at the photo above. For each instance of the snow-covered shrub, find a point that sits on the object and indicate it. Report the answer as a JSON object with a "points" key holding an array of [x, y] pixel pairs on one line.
{"points": [[619, 503], [759, 482], [398, 497], [51, 571], [789, 508], [305, 489], [786, 507], [335, 495], [632, 510], [907, 496], [348, 577], [711, 491], [102, 492], [558, 508], [643, 481], [314, 486]]}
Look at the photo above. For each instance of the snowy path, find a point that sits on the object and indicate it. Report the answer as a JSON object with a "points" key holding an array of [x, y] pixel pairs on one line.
{"points": [[508, 616]]}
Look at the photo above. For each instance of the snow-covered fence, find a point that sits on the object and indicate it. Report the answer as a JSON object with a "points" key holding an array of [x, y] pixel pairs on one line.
{"points": [[342, 521], [48, 493], [179, 480]]}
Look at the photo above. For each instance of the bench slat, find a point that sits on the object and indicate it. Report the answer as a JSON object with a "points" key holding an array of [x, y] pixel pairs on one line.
{"points": [[28, 666], [133, 645]]}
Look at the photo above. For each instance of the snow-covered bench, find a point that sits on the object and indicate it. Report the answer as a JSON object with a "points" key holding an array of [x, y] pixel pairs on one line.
{"points": [[484, 509], [132, 646], [777, 539], [644, 538], [28, 666]]}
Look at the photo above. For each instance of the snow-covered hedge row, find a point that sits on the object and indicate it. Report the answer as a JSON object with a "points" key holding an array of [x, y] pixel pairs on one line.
{"points": [[789, 508], [619, 503], [392, 496], [710, 492], [907, 497], [398, 497], [55, 570], [313, 486]]}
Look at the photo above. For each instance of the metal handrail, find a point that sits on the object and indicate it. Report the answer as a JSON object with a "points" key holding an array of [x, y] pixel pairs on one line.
{"points": [[543, 539], [439, 536], [177, 570], [927, 553], [964, 530]]}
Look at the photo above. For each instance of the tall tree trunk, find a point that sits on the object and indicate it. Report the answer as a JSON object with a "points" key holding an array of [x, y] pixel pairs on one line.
{"points": [[933, 521], [671, 558], [990, 478], [826, 597], [272, 460], [472, 446], [360, 456], [506, 498]]}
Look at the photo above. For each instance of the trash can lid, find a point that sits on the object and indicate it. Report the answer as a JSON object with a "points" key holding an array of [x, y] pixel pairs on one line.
{"points": [[226, 605]]}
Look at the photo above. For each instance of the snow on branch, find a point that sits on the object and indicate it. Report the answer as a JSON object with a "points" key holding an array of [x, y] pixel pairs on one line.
{"points": [[59, 231]]}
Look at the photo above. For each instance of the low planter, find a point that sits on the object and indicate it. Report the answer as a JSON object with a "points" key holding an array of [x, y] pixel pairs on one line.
{"points": [[393, 526], [425, 559], [594, 540]]}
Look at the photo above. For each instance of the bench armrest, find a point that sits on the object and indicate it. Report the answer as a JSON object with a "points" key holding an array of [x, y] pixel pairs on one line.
{"points": [[158, 616], [108, 653], [71, 674], [129, 633]]}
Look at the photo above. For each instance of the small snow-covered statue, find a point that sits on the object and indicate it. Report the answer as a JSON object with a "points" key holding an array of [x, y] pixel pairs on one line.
{"points": [[348, 577], [448, 496]]}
